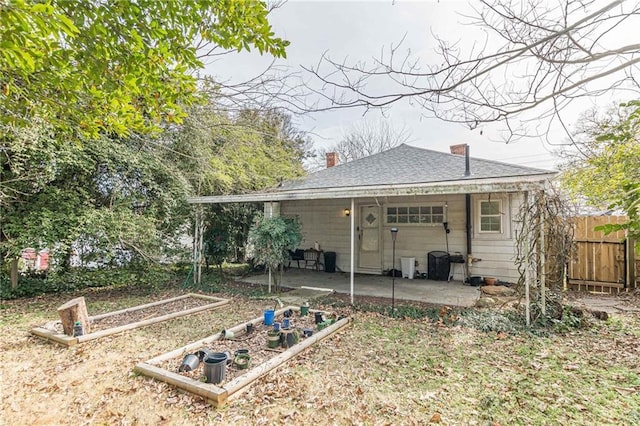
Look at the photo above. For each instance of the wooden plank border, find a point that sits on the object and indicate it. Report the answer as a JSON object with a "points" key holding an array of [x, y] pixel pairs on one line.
{"points": [[219, 395], [63, 339]]}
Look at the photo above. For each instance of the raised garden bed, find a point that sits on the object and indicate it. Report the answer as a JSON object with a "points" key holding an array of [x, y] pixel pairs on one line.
{"points": [[130, 318], [263, 359]]}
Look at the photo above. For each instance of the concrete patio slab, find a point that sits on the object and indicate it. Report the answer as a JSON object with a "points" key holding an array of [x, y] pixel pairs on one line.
{"points": [[453, 293]]}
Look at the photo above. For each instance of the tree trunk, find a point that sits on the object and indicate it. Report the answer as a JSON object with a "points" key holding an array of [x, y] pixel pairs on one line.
{"points": [[72, 311], [14, 273]]}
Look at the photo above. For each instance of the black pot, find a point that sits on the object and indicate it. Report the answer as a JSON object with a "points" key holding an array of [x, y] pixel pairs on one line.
{"points": [[475, 281]]}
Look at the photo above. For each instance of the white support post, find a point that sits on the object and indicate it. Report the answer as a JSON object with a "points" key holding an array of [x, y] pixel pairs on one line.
{"points": [[353, 244], [198, 243], [194, 255], [200, 247], [269, 211]]}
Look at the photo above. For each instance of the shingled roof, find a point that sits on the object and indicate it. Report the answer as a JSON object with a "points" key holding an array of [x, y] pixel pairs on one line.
{"points": [[403, 170], [406, 164]]}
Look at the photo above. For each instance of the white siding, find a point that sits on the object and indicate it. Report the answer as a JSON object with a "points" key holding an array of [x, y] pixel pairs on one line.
{"points": [[497, 251], [324, 221]]}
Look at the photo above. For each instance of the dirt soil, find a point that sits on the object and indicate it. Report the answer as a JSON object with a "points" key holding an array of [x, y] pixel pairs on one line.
{"points": [[255, 343], [139, 315]]}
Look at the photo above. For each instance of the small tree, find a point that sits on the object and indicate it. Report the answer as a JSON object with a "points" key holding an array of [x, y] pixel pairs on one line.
{"points": [[272, 238]]}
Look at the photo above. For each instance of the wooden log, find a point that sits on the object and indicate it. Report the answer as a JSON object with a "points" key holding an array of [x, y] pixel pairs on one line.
{"points": [[161, 302], [62, 339], [131, 326], [72, 311], [139, 307], [214, 394]]}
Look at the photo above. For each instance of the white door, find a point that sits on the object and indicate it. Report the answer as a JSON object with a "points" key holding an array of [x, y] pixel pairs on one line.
{"points": [[369, 253]]}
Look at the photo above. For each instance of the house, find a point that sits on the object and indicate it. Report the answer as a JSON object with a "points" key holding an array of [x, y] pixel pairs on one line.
{"points": [[438, 202]]}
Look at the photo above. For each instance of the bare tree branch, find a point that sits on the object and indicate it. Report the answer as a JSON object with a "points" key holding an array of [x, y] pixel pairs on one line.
{"points": [[362, 140], [547, 56]]}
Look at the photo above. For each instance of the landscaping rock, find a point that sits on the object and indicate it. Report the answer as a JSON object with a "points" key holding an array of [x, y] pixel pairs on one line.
{"points": [[497, 290], [485, 302]]}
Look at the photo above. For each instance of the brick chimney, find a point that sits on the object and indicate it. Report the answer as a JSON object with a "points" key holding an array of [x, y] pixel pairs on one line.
{"points": [[332, 159], [460, 149]]}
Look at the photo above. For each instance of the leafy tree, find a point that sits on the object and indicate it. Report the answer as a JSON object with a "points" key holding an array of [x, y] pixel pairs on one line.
{"points": [[271, 239], [606, 172], [109, 195], [85, 88], [116, 66], [224, 153], [227, 227], [606, 156]]}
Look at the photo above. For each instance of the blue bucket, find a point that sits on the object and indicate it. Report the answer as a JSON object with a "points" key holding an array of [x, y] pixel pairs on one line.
{"points": [[269, 314]]}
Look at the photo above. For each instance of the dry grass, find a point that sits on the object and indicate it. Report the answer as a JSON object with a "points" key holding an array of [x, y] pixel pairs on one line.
{"points": [[378, 371]]}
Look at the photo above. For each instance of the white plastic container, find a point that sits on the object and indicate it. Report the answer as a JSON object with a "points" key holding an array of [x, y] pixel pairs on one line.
{"points": [[408, 267]]}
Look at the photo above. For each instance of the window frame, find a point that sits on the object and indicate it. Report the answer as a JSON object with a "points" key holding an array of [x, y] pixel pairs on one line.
{"points": [[500, 215], [415, 210]]}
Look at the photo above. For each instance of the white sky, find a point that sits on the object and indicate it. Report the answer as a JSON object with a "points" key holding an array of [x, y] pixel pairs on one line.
{"points": [[359, 31]]}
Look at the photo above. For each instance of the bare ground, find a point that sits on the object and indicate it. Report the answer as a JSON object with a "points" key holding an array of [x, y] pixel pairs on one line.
{"points": [[379, 371]]}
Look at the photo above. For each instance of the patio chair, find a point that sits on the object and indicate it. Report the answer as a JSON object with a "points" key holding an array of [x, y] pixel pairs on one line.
{"points": [[296, 256], [312, 257]]}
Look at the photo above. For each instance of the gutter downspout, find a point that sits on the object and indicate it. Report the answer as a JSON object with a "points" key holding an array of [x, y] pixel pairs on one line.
{"points": [[467, 202]]}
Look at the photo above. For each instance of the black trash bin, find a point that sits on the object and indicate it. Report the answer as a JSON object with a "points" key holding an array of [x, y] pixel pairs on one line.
{"points": [[329, 261], [438, 265]]}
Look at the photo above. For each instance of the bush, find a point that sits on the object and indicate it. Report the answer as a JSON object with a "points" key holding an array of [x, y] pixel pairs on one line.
{"points": [[79, 278]]}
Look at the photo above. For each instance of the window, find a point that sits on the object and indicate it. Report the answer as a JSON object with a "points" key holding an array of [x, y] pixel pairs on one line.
{"points": [[491, 216], [415, 215]]}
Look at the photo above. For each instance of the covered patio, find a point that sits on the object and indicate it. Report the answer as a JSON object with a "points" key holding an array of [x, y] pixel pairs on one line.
{"points": [[453, 293]]}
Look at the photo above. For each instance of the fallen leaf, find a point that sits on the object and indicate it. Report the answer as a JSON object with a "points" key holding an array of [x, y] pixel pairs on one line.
{"points": [[436, 418]]}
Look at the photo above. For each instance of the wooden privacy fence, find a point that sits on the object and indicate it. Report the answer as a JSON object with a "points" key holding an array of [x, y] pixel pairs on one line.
{"points": [[605, 263]]}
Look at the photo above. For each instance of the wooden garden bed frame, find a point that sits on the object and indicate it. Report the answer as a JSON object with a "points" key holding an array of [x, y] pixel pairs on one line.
{"points": [[65, 340], [219, 395]]}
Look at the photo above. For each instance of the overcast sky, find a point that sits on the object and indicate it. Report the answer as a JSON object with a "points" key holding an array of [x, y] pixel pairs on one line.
{"points": [[359, 31]]}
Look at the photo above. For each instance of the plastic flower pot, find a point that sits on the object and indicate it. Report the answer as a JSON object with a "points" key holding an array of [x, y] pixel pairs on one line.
{"points": [[273, 338], [269, 315], [215, 367], [189, 363]]}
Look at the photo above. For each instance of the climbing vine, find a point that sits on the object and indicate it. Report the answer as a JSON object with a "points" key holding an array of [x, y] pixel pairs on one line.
{"points": [[544, 241]]}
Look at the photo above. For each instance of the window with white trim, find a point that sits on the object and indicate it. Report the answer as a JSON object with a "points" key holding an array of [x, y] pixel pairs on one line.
{"points": [[491, 216], [415, 215]]}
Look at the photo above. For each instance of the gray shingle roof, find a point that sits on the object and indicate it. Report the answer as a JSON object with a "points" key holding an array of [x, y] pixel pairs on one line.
{"points": [[406, 164]]}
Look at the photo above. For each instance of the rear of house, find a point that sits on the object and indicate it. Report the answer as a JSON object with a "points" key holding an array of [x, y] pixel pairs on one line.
{"points": [[443, 204]]}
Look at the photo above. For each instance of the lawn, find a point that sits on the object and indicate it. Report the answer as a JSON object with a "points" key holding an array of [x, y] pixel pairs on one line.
{"points": [[380, 370]]}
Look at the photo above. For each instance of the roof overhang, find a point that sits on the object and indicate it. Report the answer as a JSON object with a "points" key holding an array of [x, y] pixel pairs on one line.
{"points": [[465, 186]]}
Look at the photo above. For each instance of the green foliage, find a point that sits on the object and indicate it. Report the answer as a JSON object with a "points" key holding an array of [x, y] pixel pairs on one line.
{"points": [[80, 278], [85, 89], [630, 204], [271, 238], [223, 153], [91, 67], [105, 196], [227, 227], [609, 173]]}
